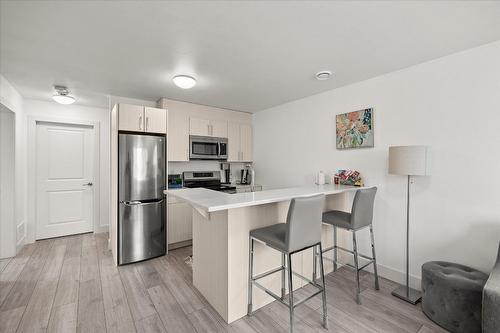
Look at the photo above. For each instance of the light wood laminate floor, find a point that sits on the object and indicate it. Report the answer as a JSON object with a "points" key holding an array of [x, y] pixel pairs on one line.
{"points": [[70, 284]]}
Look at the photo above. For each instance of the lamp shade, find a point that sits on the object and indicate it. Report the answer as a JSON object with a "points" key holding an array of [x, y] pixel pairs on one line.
{"points": [[410, 160]]}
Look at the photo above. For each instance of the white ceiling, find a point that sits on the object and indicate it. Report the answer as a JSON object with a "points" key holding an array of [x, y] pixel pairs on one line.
{"points": [[246, 56]]}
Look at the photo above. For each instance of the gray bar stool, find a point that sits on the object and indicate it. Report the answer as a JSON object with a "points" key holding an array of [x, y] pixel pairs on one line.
{"points": [[361, 217], [301, 231]]}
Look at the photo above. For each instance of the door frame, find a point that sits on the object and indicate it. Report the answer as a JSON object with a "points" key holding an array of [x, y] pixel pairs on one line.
{"points": [[32, 168]]}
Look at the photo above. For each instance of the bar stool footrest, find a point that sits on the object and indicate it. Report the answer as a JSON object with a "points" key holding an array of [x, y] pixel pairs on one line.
{"points": [[279, 299]]}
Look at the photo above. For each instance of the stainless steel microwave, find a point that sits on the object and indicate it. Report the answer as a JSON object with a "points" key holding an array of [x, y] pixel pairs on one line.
{"points": [[207, 148]]}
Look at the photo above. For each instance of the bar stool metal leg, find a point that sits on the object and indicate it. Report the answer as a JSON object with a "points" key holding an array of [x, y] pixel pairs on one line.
{"points": [[250, 274], [315, 264], [283, 272], [335, 258], [377, 287], [290, 291], [356, 265], [325, 315]]}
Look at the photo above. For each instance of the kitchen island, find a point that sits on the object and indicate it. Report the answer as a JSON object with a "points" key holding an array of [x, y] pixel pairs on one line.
{"points": [[221, 226]]}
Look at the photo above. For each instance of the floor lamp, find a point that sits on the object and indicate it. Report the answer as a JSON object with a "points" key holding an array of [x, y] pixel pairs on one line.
{"points": [[409, 161]]}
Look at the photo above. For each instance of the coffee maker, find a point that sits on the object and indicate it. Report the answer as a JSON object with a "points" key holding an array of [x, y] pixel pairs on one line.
{"points": [[225, 173]]}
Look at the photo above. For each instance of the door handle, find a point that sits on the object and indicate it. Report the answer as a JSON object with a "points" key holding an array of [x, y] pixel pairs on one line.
{"points": [[88, 184], [135, 202], [130, 203]]}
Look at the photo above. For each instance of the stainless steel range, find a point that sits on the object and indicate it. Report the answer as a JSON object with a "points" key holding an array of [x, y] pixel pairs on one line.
{"points": [[206, 179]]}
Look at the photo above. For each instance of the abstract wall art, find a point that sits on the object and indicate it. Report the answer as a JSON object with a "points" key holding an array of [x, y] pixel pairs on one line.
{"points": [[355, 129]]}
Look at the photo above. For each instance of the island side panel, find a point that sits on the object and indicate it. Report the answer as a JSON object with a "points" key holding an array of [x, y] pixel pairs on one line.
{"points": [[210, 251]]}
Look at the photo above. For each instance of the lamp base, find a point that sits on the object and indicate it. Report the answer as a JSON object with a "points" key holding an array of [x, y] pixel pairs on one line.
{"points": [[413, 296]]}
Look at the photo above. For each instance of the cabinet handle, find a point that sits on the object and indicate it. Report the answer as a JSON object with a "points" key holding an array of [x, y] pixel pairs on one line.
{"points": [[208, 129], [140, 123], [147, 123]]}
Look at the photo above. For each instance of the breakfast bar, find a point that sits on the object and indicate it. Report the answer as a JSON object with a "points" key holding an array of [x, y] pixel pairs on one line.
{"points": [[221, 226]]}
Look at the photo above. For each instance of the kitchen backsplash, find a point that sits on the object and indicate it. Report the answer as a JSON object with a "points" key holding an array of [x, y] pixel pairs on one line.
{"points": [[180, 167]]}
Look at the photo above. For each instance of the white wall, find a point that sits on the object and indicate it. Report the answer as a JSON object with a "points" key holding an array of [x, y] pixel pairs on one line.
{"points": [[451, 104], [34, 108], [7, 183], [12, 102]]}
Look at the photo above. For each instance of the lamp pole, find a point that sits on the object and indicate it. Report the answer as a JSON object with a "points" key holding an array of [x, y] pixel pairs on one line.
{"points": [[408, 239], [405, 292]]}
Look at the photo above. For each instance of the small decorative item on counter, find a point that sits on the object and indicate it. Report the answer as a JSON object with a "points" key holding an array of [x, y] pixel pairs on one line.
{"points": [[336, 179], [349, 177], [320, 178], [174, 181]]}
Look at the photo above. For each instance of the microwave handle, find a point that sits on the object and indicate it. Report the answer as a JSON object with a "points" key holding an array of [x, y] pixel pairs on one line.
{"points": [[218, 149]]}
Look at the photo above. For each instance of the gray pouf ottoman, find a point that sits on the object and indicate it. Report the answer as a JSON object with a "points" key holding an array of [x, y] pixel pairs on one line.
{"points": [[452, 295]]}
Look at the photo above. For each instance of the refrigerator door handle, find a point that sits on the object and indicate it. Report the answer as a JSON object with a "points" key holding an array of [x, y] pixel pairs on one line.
{"points": [[136, 202]]}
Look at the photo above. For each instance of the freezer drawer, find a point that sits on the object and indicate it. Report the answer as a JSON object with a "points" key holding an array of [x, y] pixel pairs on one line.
{"points": [[141, 231]]}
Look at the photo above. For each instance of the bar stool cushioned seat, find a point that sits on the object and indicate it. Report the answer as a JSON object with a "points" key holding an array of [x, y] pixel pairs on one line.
{"points": [[274, 235], [452, 295], [338, 218]]}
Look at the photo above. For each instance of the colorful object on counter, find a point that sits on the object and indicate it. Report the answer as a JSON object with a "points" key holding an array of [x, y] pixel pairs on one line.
{"points": [[174, 181], [355, 129], [348, 177]]}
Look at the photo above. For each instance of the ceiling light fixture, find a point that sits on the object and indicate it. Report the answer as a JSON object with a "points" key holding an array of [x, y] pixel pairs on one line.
{"points": [[62, 95], [323, 75], [184, 81]]}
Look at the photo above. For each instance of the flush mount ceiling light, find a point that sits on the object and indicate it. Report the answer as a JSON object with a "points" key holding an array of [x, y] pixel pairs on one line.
{"points": [[62, 96], [184, 81], [323, 75]]}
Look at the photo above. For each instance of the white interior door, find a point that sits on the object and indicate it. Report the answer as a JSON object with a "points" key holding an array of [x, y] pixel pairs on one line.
{"points": [[65, 176]]}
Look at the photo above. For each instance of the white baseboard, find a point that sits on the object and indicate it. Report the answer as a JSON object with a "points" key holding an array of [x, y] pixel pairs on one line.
{"points": [[101, 229], [396, 276]]}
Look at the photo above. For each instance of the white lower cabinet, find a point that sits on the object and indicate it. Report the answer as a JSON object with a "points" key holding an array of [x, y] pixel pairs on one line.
{"points": [[179, 222]]}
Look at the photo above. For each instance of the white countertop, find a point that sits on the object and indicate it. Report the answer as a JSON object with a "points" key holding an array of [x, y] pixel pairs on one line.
{"points": [[213, 201]]}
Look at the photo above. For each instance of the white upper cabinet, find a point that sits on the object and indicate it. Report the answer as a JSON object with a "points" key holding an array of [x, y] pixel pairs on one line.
{"points": [[155, 120], [218, 128], [185, 119], [138, 118], [178, 135], [246, 142], [239, 142], [130, 118], [233, 142], [206, 127], [199, 126]]}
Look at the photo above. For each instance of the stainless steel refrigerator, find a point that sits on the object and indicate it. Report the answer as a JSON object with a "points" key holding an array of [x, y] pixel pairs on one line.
{"points": [[141, 181]]}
